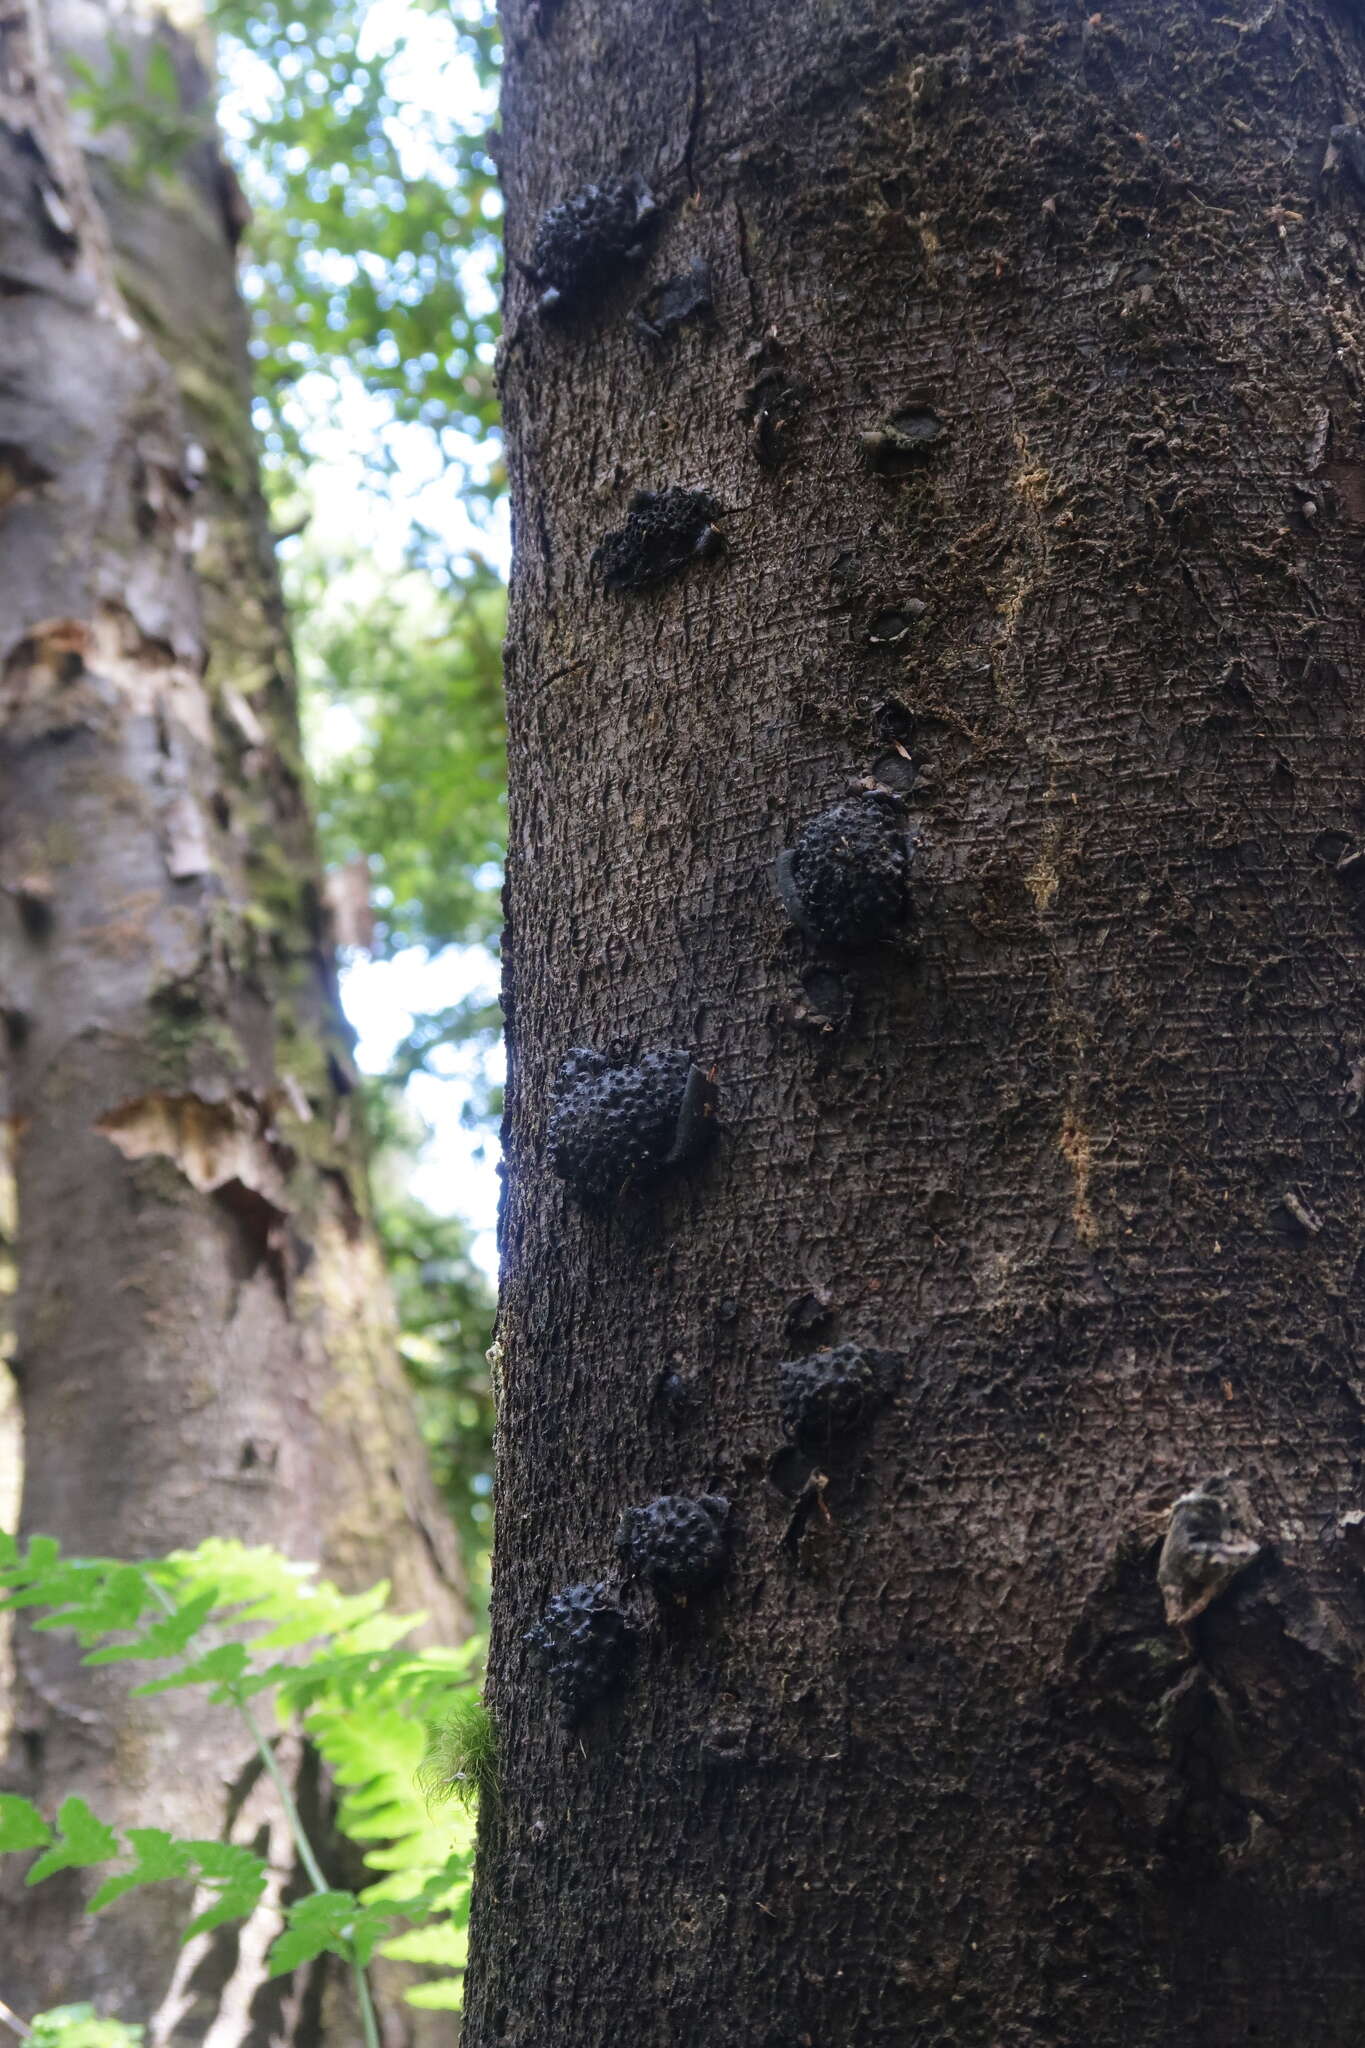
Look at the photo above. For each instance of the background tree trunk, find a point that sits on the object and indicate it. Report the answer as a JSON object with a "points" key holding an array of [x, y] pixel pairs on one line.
{"points": [[1033, 401], [203, 1339]]}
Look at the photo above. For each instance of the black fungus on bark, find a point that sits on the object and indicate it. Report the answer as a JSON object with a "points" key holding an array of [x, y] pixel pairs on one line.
{"points": [[614, 1125], [677, 1544], [678, 299], [584, 1641], [581, 243], [831, 1394], [664, 531], [845, 882], [1349, 143]]}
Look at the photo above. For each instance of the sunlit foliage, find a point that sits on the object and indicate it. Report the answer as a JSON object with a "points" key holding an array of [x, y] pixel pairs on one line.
{"points": [[360, 130]]}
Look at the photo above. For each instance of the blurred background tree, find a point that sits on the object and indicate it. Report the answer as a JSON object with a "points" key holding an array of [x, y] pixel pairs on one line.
{"points": [[360, 202]]}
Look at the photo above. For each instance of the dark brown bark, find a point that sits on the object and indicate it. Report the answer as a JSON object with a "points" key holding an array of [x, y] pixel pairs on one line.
{"points": [[1033, 399], [203, 1335]]}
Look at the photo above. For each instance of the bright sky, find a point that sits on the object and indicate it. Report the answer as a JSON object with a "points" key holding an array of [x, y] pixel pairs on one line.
{"points": [[458, 1172]]}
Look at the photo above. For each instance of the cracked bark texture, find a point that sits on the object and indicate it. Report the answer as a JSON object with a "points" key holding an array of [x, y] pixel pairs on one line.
{"points": [[202, 1334], [1033, 399]]}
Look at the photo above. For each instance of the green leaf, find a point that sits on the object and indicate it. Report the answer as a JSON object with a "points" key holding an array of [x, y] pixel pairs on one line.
{"points": [[236, 1901], [240, 1877], [95, 1600], [332, 1922], [44, 1578], [169, 1637], [236, 1873], [435, 1943], [81, 1840], [159, 1858], [161, 80], [79, 2026], [442, 1994], [230, 1906], [262, 1585], [217, 1668], [21, 1824]]}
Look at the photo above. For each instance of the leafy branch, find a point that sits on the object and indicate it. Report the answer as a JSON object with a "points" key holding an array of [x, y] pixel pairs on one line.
{"points": [[249, 1625]]}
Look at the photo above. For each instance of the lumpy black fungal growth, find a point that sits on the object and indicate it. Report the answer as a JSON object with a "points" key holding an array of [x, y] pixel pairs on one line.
{"points": [[844, 883], [675, 301], [1348, 142], [585, 238], [664, 531], [677, 1544], [832, 1393], [584, 1641], [611, 1125]]}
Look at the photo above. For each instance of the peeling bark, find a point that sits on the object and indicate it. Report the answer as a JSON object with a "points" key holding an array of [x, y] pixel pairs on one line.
{"points": [[203, 1339], [1032, 402]]}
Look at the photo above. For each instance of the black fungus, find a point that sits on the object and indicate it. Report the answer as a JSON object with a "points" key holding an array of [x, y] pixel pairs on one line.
{"points": [[830, 1394], [611, 1125], [808, 1313], [673, 1395], [827, 998], [895, 770], [34, 900], [1349, 143], [676, 300], [585, 239], [844, 883], [664, 531], [584, 1641], [1351, 869], [677, 1544]]}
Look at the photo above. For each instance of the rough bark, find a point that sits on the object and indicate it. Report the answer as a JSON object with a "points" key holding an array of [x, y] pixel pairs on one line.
{"points": [[203, 1337], [1032, 399]]}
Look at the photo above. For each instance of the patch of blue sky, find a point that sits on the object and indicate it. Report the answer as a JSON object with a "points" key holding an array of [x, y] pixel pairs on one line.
{"points": [[457, 1171]]}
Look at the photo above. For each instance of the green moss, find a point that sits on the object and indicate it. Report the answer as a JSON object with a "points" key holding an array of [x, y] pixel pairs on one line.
{"points": [[461, 1759], [146, 309], [158, 1179]]}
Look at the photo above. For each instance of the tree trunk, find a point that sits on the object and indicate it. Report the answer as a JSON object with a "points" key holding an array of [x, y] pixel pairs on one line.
{"points": [[1032, 402], [203, 1340]]}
